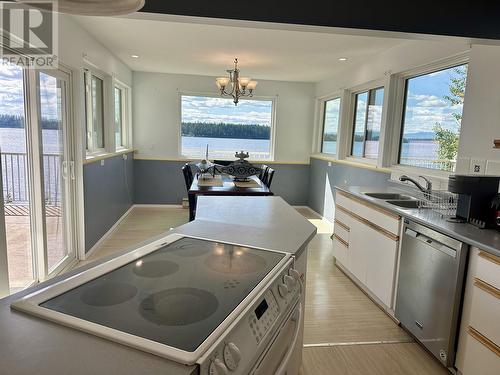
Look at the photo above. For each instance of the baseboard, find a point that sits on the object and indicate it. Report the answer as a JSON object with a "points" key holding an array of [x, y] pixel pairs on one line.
{"points": [[107, 234], [158, 205], [314, 212]]}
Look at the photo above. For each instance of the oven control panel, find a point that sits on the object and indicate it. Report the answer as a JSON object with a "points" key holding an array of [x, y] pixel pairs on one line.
{"points": [[238, 350], [263, 317]]}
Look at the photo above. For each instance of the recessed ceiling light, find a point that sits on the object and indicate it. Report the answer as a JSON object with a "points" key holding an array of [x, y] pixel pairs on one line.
{"points": [[134, 56], [342, 58]]}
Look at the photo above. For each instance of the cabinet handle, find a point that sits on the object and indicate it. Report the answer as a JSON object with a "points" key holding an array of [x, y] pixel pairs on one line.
{"points": [[341, 240], [490, 257], [485, 341], [368, 223], [490, 289], [342, 225]]}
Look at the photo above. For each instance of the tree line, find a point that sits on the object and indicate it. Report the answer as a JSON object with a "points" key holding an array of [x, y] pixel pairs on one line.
{"points": [[17, 122], [225, 130]]}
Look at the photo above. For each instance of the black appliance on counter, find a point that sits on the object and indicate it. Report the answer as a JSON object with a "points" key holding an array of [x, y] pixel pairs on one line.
{"points": [[495, 205], [475, 194]]}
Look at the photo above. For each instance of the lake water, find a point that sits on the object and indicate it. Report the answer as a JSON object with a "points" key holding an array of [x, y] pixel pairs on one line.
{"points": [[417, 149], [225, 147], [14, 167]]}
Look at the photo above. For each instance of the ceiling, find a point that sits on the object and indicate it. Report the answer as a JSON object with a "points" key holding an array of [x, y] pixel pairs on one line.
{"points": [[209, 49], [476, 19]]}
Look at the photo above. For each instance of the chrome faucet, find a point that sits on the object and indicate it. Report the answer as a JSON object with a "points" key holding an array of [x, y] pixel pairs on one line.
{"points": [[428, 184]]}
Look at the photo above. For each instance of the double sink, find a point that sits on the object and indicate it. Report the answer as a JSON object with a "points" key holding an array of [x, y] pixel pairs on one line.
{"points": [[400, 200]]}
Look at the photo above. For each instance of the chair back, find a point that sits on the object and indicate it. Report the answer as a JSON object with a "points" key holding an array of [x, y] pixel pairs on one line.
{"points": [[269, 177], [188, 175], [263, 173]]}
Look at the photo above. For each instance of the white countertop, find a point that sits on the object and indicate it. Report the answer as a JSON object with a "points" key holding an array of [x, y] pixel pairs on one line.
{"points": [[485, 239], [29, 345]]}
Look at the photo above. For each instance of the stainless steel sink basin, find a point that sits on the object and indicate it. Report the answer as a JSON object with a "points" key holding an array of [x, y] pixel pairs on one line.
{"points": [[404, 203], [391, 196]]}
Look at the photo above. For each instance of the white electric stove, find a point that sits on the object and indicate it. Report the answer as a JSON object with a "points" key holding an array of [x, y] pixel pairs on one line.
{"points": [[228, 308]]}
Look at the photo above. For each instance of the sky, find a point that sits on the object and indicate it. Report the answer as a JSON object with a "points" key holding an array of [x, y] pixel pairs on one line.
{"points": [[12, 96], [426, 105], [217, 110]]}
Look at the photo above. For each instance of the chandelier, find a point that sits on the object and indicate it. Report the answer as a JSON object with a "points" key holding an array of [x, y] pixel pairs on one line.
{"points": [[240, 86]]}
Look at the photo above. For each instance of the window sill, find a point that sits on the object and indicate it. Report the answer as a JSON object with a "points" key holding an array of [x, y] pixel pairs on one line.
{"points": [[92, 158], [353, 162]]}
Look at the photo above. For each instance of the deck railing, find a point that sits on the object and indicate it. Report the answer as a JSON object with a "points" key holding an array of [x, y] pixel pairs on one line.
{"points": [[15, 178]]}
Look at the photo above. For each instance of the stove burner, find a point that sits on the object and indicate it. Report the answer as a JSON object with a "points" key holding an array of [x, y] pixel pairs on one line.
{"points": [[238, 262], [155, 268], [178, 306], [189, 249], [108, 294]]}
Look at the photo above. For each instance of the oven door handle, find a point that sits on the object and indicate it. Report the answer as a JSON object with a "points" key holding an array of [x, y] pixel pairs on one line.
{"points": [[296, 317]]}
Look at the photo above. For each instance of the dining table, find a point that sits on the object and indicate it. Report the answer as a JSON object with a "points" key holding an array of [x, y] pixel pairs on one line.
{"points": [[224, 185]]}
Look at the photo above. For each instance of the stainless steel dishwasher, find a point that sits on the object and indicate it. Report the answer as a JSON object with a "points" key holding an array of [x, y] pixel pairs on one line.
{"points": [[429, 292]]}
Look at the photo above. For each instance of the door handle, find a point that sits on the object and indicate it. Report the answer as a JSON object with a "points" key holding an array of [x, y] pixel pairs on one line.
{"points": [[65, 169], [72, 169]]}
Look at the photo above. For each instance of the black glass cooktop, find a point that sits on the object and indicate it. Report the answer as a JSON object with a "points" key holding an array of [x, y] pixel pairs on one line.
{"points": [[176, 295]]}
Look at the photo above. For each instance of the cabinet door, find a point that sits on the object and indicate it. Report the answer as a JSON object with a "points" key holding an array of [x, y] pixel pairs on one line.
{"points": [[381, 258], [359, 243]]}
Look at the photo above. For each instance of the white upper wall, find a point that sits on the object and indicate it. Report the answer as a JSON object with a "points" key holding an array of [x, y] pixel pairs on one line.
{"points": [[75, 43], [481, 114], [406, 56], [156, 114]]}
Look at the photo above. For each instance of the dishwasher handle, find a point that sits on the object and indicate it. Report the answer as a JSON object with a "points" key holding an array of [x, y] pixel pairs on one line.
{"points": [[431, 242]]}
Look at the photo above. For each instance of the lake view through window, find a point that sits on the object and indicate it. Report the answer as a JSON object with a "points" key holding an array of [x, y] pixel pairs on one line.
{"points": [[432, 119], [225, 128]]}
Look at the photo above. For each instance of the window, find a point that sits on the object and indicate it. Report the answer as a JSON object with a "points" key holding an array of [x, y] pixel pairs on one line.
{"points": [[432, 117], [225, 128], [367, 122], [119, 131], [94, 105], [331, 121]]}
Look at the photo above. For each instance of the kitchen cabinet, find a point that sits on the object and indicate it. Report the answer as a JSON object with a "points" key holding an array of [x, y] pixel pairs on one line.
{"points": [[366, 244], [479, 338]]}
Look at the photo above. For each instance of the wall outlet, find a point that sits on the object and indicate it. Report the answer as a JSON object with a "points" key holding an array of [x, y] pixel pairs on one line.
{"points": [[125, 156], [477, 166], [493, 167], [102, 163]]}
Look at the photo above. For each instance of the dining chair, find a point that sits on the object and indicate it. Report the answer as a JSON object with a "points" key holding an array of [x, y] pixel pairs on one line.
{"points": [[263, 172], [188, 180], [269, 177]]}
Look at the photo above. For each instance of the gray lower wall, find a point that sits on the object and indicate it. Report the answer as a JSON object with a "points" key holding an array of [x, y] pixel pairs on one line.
{"points": [[108, 194], [161, 182], [324, 178], [108, 197]]}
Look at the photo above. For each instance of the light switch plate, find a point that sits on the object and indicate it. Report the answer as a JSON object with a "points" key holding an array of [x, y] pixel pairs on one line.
{"points": [[477, 166]]}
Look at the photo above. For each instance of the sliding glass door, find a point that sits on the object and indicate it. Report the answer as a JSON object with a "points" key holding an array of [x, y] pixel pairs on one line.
{"points": [[37, 176]]}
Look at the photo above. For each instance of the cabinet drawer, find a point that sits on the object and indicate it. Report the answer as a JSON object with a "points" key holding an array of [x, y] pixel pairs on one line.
{"points": [[485, 310], [380, 217], [342, 230], [340, 250], [480, 358], [488, 269]]}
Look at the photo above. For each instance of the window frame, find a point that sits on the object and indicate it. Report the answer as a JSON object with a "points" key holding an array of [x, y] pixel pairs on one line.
{"points": [[321, 135], [272, 140], [126, 126], [367, 87], [399, 113], [91, 147]]}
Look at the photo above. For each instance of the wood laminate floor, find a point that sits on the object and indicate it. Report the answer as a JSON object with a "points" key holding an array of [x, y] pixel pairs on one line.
{"points": [[344, 330]]}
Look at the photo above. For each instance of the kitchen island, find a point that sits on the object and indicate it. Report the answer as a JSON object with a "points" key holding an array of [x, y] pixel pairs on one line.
{"points": [[33, 345]]}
